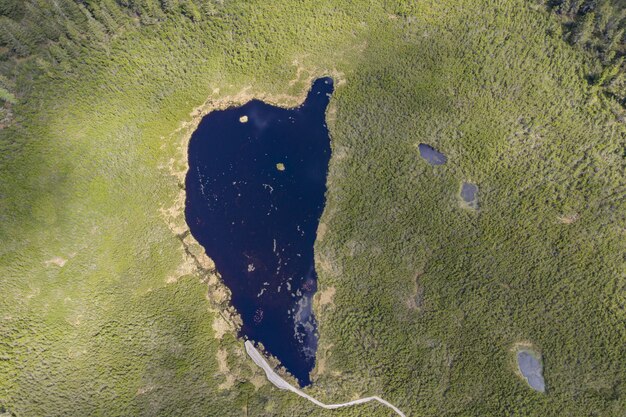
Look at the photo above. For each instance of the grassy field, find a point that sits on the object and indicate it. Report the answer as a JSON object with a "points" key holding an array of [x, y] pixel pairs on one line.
{"points": [[109, 308]]}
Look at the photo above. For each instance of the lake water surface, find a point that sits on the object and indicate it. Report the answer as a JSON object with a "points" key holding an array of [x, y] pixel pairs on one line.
{"points": [[255, 193]]}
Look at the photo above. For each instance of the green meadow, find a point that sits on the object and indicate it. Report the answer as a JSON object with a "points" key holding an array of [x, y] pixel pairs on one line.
{"points": [[108, 307]]}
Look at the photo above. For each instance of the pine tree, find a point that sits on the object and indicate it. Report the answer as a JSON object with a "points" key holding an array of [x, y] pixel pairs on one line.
{"points": [[42, 22], [6, 96], [13, 37], [568, 8], [103, 17], [115, 11], [169, 6], [610, 72], [58, 54], [12, 8], [604, 13], [95, 30], [573, 7], [616, 39], [583, 29], [189, 9], [149, 11]]}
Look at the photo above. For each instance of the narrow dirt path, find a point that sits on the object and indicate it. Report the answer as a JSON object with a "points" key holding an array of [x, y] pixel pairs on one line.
{"points": [[280, 383]]}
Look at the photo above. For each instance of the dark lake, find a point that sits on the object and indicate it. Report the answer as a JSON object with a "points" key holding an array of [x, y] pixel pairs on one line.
{"points": [[255, 193], [432, 155]]}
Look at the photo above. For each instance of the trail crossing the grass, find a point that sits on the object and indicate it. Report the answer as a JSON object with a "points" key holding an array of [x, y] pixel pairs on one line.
{"points": [[280, 383]]}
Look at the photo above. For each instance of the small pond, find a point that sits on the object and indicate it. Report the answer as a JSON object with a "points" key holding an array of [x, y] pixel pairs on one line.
{"points": [[255, 194], [530, 366], [469, 193], [430, 154]]}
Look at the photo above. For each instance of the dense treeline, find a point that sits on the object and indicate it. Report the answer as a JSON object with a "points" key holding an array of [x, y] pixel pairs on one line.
{"points": [[31, 26], [597, 26], [56, 32]]}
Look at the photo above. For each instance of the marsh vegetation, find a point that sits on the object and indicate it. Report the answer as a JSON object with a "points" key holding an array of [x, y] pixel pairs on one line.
{"points": [[100, 99]]}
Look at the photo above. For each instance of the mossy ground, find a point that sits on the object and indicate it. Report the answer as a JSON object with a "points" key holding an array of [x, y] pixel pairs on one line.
{"points": [[87, 170]]}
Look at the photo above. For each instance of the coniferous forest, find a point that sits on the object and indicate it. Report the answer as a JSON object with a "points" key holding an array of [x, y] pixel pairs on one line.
{"points": [[108, 306]]}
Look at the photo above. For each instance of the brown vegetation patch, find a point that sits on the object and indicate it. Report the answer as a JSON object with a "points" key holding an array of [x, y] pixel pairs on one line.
{"points": [[57, 261], [340, 152], [326, 296], [416, 298], [320, 366], [145, 390], [569, 219], [258, 381], [299, 70], [221, 327], [328, 264], [220, 294], [321, 230], [186, 267], [222, 363]]}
